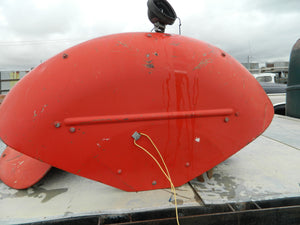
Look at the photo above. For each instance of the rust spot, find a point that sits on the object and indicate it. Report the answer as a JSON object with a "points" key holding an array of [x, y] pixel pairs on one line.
{"points": [[149, 64], [65, 56], [200, 178], [3, 155], [155, 53], [223, 54], [209, 173]]}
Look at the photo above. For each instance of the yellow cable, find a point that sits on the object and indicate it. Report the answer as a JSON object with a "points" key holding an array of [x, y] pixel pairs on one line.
{"points": [[166, 173]]}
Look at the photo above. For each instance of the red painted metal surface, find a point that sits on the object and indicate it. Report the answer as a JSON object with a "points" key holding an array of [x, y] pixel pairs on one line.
{"points": [[20, 171], [78, 110]]}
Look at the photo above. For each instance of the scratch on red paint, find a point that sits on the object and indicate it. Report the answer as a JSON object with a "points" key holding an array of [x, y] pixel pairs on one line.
{"points": [[203, 63], [123, 44]]}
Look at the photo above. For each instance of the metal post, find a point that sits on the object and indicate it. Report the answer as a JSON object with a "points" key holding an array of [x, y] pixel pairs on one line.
{"points": [[293, 89]]}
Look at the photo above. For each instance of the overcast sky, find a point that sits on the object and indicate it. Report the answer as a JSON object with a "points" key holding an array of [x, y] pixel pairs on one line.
{"points": [[32, 31]]}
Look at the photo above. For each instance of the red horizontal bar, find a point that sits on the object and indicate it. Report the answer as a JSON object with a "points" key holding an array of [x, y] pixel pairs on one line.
{"points": [[146, 116]]}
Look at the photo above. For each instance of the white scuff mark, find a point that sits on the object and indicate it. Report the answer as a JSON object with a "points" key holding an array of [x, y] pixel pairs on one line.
{"points": [[98, 145], [20, 163], [197, 139], [43, 109], [30, 191], [105, 139], [35, 112], [42, 195]]}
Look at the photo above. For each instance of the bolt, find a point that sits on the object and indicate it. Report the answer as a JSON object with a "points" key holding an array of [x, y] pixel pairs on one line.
{"points": [[65, 56], [154, 182], [226, 120], [57, 124], [72, 129]]}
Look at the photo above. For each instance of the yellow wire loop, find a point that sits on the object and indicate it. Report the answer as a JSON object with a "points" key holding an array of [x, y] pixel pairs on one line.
{"points": [[165, 172]]}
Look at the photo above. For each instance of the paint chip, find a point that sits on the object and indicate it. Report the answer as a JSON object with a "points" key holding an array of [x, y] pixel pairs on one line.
{"points": [[197, 139]]}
